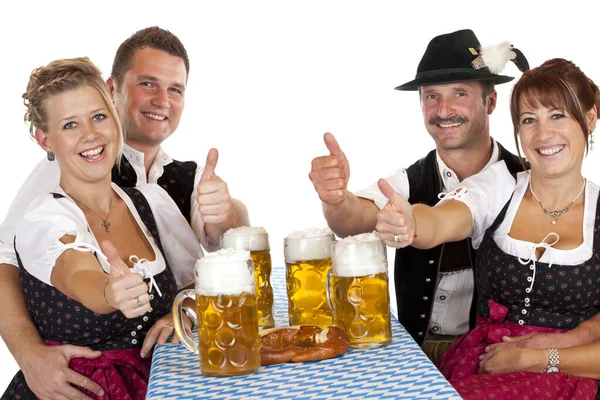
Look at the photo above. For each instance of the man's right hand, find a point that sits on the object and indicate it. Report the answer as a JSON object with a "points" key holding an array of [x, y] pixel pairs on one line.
{"points": [[48, 375], [330, 174]]}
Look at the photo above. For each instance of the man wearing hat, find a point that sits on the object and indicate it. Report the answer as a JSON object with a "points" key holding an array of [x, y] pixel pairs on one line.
{"points": [[434, 288]]}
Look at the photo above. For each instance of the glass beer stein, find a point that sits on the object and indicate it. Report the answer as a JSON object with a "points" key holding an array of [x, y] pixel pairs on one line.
{"points": [[227, 317], [256, 241], [308, 261], [361, 300]]}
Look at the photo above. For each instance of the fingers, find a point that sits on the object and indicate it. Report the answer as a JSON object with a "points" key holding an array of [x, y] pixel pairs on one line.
{"points": [[159, 333], [393, 227], [83, 382], [333, 146], [395, 199], [117, 266], [71, 351], [211, 164]]}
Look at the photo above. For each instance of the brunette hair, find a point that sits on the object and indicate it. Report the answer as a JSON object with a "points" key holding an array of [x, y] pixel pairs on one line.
{"points": [[152, 37], [556, 84]]}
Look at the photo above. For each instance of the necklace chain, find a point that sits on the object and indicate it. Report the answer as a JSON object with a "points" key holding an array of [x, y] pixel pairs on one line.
{"points": [[557, 213], [105, 223]]}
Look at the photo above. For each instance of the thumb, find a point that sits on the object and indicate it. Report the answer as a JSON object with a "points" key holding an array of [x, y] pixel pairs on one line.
{"points": [[117, 266], [71, 351], [395, 199], [211, 164], [333, 146]]}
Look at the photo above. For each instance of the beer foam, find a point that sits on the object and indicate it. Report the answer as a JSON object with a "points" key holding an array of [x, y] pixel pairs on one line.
{"points": [[224, 272], [309, 244], [251, 238], [359, 255]]}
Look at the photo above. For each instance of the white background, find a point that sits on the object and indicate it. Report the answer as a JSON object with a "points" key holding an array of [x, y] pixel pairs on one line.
{"points": [[268, 78]]}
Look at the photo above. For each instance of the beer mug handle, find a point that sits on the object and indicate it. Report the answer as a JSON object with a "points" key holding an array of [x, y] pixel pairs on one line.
{"points": [[328, 289], [179, 329]]}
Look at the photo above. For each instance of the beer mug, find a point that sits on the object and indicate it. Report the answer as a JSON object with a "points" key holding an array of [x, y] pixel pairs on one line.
{"points": [[256, 241], [361, 300], [227, 319], [308, 261]]}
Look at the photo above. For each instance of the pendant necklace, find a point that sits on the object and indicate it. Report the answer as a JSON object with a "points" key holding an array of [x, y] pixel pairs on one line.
{"points": [[558, 213]]}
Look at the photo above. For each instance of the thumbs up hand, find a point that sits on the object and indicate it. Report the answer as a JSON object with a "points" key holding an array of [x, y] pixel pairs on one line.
{"points": [[395, 221], [125, 291], [214, 200], [330, 174]]}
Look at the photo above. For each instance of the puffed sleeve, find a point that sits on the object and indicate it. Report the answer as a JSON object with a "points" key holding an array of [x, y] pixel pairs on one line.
{"points": [[398, 181], [179, 242], [485, 194], [38, 233]]}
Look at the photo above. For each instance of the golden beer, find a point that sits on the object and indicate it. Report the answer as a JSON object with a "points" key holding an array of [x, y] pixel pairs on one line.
{"points": [[308, 261], [228, 331], [361, 309], [256, 241], [225, 299], [361, 300], [306, 289]]}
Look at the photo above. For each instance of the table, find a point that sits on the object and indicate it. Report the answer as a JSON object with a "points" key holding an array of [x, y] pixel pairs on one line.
{"points": [[400, 370]]}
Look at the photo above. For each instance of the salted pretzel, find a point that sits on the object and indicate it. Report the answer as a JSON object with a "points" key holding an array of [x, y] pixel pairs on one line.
{"points": [[302, 343]]}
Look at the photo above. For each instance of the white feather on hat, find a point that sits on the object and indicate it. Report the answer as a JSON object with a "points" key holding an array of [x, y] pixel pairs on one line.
{"points": [[496, 57]]}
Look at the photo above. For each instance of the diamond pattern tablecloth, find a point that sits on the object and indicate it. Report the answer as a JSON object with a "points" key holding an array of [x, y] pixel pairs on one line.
{"points": [[400, 370]]}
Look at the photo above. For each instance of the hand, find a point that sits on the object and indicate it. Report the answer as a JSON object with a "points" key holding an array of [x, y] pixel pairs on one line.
{"points": [[160, 332], [48, 375], [395, 221], [513, 359], [536, 340], [125, 291], [214, 201], [330, 174]]}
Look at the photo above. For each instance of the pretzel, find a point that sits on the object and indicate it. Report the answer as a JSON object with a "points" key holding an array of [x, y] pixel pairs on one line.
{"points": [[301, 344]]}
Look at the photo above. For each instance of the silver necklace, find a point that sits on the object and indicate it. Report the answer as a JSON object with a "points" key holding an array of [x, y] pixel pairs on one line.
{"points": [[105, 223], [558, 213]]}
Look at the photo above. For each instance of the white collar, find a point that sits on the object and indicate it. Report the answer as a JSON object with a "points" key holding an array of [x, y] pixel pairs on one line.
{"points": [[136, 159], [449, 178]]}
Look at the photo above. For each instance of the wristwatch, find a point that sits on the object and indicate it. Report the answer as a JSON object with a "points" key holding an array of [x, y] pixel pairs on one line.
{"points": [[191, 314], [553, 361]]}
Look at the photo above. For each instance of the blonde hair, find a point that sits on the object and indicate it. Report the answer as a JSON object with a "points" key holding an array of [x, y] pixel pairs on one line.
{"points": [[58, 77]]}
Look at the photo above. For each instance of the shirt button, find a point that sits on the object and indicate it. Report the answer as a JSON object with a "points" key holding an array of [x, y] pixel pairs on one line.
{"points": [[427, 280], [435, 329], [442, 297], [150, 309], [531, 267], [151, 297], [420, 333], [521, 322], [528, 290], [133, 333], [529, 279], [523, 311], [425, 298], [139, 327], [526, 299], [134, 341], [448, 174], [431, 262], [145, 319], [423, 316]]}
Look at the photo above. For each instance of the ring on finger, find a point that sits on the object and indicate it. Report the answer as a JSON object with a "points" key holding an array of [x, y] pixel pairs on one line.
{"points": [[138, 301], [168, 326], [396, 238]]}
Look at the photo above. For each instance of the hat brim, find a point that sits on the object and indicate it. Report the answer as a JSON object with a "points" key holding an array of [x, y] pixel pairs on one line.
{"points": [[444, 79]]}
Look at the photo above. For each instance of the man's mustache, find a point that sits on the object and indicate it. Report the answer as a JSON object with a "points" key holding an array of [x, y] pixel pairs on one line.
{"points": [[452, 120]]}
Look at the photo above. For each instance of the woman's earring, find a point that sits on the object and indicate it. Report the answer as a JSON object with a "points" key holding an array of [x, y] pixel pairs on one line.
{"points": [[592, 141], [50, 156]]}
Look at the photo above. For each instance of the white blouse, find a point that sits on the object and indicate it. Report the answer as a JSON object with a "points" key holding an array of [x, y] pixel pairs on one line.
{"points": [[488, 192], [47, 220]]}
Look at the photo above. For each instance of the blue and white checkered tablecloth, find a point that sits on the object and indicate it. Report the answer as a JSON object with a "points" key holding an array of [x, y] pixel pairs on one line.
{"points": [[400, 370]]}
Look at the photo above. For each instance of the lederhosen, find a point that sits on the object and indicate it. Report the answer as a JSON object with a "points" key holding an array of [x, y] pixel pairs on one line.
{"points": [[417, 272], [177, 179]]}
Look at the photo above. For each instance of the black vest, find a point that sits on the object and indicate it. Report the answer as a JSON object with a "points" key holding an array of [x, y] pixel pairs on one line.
{"points": [[177, 179], [416, 271]]}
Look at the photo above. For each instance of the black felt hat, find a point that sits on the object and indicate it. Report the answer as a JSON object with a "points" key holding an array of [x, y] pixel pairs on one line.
{"points": [[456, 57]]}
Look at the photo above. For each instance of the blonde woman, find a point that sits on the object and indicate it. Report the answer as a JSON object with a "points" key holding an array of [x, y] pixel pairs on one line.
{"points": [[77, 288]]}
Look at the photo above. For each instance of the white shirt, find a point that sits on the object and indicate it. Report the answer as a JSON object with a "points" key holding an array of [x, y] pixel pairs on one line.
{"points": [[48, 219], [46, 175], [454, 293]]}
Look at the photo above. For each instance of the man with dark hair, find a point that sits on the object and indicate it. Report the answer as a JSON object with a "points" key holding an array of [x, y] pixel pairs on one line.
{"points": [[148, 84], [434, 288]]}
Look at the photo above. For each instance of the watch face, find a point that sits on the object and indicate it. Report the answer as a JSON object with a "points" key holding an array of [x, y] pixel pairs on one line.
{"points": [[552, 369]]}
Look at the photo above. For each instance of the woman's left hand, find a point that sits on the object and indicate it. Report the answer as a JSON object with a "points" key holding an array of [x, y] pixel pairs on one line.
{"points": [[513, 359], [160, 332]]}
